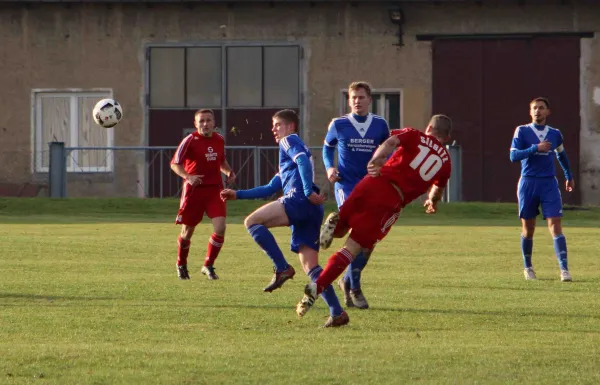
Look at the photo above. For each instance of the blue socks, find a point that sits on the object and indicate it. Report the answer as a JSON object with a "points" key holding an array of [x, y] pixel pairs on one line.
{"points": [[354, 270], [332, 301], [560, 247], [263, 237], [526, 250]]}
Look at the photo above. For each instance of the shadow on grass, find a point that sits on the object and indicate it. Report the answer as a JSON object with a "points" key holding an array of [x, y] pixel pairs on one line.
{"points": [[486, 313], [530, 287], [51, 298], [166, 303]]}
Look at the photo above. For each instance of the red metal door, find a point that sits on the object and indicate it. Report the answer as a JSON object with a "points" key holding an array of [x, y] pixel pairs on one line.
{"points": [[485, 87]]}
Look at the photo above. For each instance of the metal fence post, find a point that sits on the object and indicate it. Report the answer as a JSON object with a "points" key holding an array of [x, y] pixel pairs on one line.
{"points": [[161, 187], [57, 172], [454, 190], [257, 154]]}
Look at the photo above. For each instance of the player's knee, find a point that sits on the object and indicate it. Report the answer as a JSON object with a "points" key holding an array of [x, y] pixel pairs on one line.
{"points": [[187, 231], [555, 227], [309, 258], [220, 230], [250, 221], [528, 228], [528, 232]]}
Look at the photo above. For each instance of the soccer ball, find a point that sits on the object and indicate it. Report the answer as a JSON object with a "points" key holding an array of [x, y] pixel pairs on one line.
{"points": [[107, 113]]}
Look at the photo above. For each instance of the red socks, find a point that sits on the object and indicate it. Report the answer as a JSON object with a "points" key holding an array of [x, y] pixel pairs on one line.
{"points": [[183, 250], [336, 265], [215, 243]]}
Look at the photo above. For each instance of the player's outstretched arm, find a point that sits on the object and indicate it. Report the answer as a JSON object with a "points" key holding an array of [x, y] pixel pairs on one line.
{"points": [[381, 155], [255, 193]]}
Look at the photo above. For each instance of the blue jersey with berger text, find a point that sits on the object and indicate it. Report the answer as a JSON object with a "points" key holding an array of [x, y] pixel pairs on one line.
{"points": [[356, 142]]}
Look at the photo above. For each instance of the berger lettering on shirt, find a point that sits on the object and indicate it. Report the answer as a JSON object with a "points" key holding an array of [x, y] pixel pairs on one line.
{"points": [[435, 147]]}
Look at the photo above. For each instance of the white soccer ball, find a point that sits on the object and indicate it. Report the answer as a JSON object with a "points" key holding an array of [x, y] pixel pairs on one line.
{"points": [[107, 113]]}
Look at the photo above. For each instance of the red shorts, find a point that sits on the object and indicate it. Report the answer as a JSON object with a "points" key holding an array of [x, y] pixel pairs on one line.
{"points": [[195, 201], [370, 211]]}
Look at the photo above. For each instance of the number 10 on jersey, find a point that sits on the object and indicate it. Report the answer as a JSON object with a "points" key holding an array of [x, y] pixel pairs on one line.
{"points": [[427, 163]]}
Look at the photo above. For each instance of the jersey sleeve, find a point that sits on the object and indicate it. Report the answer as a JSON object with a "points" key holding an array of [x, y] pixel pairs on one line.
{"points": [[182, 151], [331, 138], [517, 142], [293, 146], [560, 143]]}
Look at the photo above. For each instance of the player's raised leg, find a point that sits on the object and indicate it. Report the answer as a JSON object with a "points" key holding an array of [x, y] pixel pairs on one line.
{"points": [[335, 226], [258, 224], [337, 315]]}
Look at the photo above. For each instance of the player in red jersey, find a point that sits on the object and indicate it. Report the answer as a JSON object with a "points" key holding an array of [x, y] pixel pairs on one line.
{"points": [[419, 162], [200, 160]]}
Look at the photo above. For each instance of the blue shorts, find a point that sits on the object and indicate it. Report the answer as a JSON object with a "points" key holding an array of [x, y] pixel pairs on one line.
{"points": [[535, 191], [305, 222], [342, 191]]}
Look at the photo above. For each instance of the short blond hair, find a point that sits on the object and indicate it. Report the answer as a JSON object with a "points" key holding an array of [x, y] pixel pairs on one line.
{"points": [[441, 125], [204, 111], [358, 85]]}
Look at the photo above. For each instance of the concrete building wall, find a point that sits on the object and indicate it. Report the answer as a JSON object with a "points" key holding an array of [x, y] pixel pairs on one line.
{"points": [[59, 46]]}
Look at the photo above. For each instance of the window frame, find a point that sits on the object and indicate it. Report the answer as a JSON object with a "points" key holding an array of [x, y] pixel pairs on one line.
{"points": [[36, 129], [302, 78], [375, 91], [224, 79]]}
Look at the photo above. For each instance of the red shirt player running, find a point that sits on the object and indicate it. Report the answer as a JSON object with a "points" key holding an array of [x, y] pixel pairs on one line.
{"points": [[419, 161], [199, 160]]}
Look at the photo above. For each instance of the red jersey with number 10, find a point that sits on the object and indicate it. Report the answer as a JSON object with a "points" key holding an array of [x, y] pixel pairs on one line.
{"points": [[202, 155], [418, 163]]}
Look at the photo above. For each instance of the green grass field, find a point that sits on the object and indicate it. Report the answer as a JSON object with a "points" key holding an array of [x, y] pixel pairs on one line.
{"points": [[89, 295]]}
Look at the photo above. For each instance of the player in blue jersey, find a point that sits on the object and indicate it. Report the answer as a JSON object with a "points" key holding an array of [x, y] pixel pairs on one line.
{"points": [[535, 145], [356, 137], [300, 208]]}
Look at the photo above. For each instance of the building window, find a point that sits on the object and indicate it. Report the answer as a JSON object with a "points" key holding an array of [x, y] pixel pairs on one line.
{"points": [[252, 76], [66, 116], [386, 103]]}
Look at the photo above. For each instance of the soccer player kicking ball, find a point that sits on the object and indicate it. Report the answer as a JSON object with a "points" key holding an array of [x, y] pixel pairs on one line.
{"points": [[200, 160], [534, 145], [300, 208], [419, 162], [356, 137]]}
